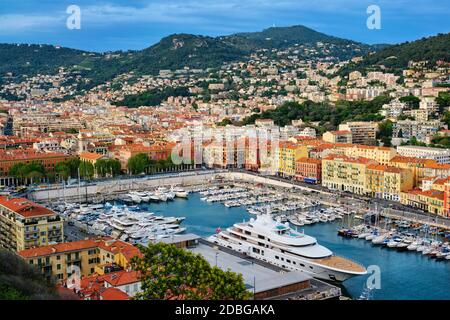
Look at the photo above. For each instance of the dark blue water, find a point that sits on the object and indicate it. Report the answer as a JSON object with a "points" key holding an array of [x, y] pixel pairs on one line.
{"points": [[404, 275]]}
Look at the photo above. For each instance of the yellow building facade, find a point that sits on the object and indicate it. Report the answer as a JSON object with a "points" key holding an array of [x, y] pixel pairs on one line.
{"points": [[287, 153], [25, 224], [382, 155], [345, 174], [387, 182]]}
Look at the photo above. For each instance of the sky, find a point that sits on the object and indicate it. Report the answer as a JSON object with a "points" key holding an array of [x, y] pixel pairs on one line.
{"points": [[107, 25]]}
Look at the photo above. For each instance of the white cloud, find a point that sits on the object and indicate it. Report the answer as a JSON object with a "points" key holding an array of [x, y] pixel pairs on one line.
{"points": [[13, 23]]}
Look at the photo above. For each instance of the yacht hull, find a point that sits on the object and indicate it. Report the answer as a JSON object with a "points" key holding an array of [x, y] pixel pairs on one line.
{"points": [[301, 264]]}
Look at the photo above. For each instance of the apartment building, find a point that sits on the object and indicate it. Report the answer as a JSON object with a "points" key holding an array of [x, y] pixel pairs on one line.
{"points": [[416, 165], [362, 132], [8, 158], [431, 201], [287, 153], [340, 136], [100, 256], [438, 154], [308, 170], [25, 224], [386, 182], [345, 174], [381, 155], [421, 130]]}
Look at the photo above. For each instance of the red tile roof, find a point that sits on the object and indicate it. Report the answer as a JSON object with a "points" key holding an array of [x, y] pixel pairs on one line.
{"points": [[25, 207], [114, 294], [121, 278], [105, 243], [90, 156]]}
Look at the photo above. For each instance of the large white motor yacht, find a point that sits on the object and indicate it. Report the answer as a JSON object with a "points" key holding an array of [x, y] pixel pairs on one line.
{"points": [[276, 243]]}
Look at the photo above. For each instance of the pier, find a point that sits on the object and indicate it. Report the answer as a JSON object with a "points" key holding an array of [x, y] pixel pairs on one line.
{"points": [[416, 218]]}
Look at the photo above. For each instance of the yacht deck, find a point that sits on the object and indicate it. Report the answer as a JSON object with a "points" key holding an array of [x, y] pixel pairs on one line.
{"points": [[340, 263]]}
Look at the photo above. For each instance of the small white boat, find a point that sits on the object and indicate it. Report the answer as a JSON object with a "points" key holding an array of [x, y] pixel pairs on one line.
{"points": [[402, 245], [296, 222], [180, 192], [371, 237], [392, 244], [421, 248], [135, 198], [379, 239], [363, 235]]}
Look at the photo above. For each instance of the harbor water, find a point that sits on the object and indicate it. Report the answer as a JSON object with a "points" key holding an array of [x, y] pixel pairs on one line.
{"points": [[404, 275]]}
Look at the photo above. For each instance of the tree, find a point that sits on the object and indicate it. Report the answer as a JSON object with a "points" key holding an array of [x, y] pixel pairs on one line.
{"points": [[105, 167], [412, 101], [168, 272], [17, 170], [224, 122], [19, 280], [86, 170], [33, 171], [443, 101], [63, 170], [385, 129], [138, 164]]}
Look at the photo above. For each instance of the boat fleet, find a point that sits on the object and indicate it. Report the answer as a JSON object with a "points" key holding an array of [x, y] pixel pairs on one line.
{"points": [[298, 212], [124, 222], [400, 240], [160, 194]]}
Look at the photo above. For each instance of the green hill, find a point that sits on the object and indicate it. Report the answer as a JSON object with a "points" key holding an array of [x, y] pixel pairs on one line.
{"points": [[21, 59], [396, 57], [172, 52]]}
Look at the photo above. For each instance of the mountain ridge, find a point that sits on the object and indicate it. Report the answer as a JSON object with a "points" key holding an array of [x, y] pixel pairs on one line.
{"points": [[176, 51]]}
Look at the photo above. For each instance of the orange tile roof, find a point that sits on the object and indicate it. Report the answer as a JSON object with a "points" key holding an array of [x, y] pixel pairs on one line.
{"points": [[28, 154], [128, 250], [59, 248], [121, 278], [441, 181], [114, 294], [90, 155], [25, 207], [113, 246], [436, 194], [403, 159], [435, 165], [351, 160], [384, 168]]}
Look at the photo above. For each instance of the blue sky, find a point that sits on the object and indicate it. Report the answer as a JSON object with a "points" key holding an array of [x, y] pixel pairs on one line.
{"points": [[136, 24]]}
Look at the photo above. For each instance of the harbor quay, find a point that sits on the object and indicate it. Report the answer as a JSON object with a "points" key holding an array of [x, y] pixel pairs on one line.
{"points": [[264, 280], [228, 218], [109, 190]]}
